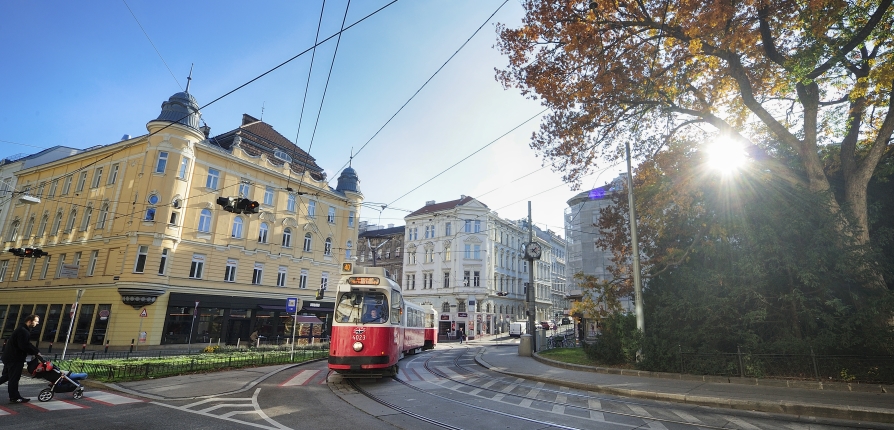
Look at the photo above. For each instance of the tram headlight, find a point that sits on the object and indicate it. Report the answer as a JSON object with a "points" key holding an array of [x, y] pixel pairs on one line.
{"points": [[358, 346]]}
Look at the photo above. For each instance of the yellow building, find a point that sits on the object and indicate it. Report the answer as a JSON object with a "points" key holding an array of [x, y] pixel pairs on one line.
{"points": [[136, 226]]}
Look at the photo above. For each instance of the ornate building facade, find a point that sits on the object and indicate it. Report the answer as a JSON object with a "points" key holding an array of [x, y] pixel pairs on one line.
{"points": [[136, 226]]}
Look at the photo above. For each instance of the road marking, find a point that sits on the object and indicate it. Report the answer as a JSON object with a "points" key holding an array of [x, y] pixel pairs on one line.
{"points": [[301, 378], [740, 423], [272, 424], [594, 406], [4, 411], [58, 405], [109, 398], [688, 418]]}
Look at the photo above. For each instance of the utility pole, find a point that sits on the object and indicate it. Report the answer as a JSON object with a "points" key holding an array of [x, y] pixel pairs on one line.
{"points": [[637, 282], [530, 296]]}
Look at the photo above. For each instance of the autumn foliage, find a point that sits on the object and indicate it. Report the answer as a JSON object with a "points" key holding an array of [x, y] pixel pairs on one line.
{"points": [[788, 78]]}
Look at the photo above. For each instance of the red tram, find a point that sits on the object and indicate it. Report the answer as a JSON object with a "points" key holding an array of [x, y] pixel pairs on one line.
{"points": [[373, 327]]}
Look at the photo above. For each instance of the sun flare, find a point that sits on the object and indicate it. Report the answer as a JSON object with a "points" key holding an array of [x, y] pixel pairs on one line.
{"points": [[726, 155]]}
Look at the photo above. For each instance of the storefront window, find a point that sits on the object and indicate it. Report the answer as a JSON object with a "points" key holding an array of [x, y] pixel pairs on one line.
{"points": [[11, 319], [51, 323], [101, 324], [26, 310], [82, 327], [264, 325], [63, 328], [40, 311], [3, 309], [177, 325], [208, 324]]}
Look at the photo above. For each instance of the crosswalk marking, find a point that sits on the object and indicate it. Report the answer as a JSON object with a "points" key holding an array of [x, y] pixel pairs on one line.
{"points": [[688, 418], [57, 405], [109, 398], [301, 378], [741, 423], [4, 411]]}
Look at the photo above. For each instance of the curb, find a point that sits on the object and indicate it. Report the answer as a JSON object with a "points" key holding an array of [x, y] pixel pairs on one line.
{"points": [[852, 413], [779, 383], [244, 388]]}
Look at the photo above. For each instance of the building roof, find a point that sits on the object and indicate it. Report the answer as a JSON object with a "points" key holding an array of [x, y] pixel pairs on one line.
{"points": [[437, 207], [384, 232], [257, 137], [181, 108]]}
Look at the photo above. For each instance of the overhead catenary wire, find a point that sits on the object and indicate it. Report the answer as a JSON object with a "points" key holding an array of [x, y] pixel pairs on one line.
{"points": [[151, 43], [424, 84], [140, 138]]}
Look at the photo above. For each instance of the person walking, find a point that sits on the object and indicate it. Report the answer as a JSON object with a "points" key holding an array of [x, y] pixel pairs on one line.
{"points": [[18, 347], [462, 335]]}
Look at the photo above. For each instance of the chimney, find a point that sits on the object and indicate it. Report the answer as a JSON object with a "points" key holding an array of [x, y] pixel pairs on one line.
{"points": [[125, 137], [248, 119], [205, 130], [430, 202], [462, 196], [390, 225]]}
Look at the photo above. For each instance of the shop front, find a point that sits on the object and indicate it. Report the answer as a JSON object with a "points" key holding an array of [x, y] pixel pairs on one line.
{"points": [[229, 320]]}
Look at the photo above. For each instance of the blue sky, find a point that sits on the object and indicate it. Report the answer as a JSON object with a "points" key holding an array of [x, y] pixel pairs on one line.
{"points": [[84, 74]]}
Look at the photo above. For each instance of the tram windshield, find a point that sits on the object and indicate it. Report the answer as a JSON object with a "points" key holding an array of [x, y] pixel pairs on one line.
{"points": [[362, 308]]}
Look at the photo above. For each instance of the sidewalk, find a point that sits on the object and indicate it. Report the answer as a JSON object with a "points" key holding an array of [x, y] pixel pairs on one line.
{"points": [[502, 356]]}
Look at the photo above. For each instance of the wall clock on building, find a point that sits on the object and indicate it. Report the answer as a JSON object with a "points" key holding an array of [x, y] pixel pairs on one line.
{"points": [[533, 251]]}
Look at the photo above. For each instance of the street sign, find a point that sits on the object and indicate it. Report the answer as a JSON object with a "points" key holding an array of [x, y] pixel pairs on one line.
{"points": [[104, 314], [291, 305], [144, 314], [69, 271], [142, 337]]}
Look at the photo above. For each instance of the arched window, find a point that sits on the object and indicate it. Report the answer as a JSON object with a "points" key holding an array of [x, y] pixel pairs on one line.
{"points": [[13, 232], [57, 222], [348, 247], [445, 307], [327, 246], [42, 228], [287, 237], [488, 308], [307, 242], [88, 214], [262, 233], [461, 307], [103, 215], [69, 225], [501, 309], [205, 221], [29, 227], [237, 228]]}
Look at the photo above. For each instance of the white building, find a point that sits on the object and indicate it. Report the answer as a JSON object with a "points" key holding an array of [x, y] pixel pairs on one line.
{"points": [[9, 192], [581, 233], [557, 266], [467, 262]]}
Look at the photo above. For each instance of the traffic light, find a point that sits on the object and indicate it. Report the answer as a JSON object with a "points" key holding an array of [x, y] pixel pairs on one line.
{"points": [[320, 293], [18, 252], [252, 207], [27, 252], [228, 203], [40, 253]]}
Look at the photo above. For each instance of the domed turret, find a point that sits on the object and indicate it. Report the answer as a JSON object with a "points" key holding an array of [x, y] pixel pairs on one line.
{"points": [[182, 108], [348, 181]]}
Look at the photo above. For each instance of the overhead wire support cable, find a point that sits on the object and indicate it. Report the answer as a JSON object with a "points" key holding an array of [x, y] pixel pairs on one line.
{"points": [[151, 43], [230, 92], [470, 155], [325, 89], [426, 82]]}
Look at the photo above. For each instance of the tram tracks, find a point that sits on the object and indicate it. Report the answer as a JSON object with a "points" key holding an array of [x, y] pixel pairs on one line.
{"points": [[581, 414]]}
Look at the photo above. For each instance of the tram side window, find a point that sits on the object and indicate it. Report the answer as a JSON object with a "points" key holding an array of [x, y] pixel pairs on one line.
{"points": [[397, 303], [359, 307]]}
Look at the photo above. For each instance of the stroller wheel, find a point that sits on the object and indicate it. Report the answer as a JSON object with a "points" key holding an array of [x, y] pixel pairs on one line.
{"points": [[77, 394], [45, 395]]}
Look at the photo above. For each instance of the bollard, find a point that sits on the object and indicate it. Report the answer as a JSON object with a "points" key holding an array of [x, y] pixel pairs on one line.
{"points": [[83, 348], [131, 345], [50, 349], [107, 347]]}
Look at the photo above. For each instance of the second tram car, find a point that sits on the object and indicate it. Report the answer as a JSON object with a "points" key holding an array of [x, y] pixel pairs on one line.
{"points": [[373, 326]]}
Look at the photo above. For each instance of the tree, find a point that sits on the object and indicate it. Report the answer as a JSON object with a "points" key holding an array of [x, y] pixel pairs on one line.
{"points": [[786, 77], [744, 260]]}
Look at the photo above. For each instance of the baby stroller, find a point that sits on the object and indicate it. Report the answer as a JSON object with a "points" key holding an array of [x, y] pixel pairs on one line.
{"points": [[60, 381]]}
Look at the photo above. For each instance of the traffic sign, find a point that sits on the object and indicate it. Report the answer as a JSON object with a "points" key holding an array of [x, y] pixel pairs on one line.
{"points": [[291, 305], [144, 314]]}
